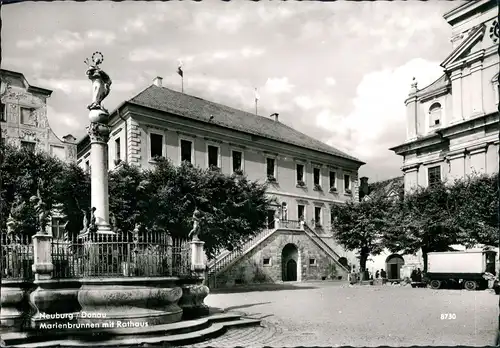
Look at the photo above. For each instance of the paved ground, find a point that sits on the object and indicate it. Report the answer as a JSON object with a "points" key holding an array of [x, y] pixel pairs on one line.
{"points": [[332, 314]]}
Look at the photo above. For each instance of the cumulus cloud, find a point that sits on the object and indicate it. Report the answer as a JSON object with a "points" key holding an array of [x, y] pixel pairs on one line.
{"points": [[63, 123], [330, 81], [143, 54], [278, 85], [81, 86], [378, 108], [65, 41]]}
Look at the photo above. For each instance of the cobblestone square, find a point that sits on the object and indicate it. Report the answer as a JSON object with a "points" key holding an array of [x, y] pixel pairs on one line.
{"points": [[333, 314]]}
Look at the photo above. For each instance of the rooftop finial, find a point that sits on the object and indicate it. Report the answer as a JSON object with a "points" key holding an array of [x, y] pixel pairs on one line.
{"points": [[414, 83]]}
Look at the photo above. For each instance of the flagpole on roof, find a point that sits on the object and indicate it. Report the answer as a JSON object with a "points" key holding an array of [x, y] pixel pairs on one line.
{"points": [[181, 74]]}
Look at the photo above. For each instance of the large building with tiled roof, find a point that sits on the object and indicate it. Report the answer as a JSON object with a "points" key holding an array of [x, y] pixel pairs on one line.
{"points": [[306, 176], [452, 124]]}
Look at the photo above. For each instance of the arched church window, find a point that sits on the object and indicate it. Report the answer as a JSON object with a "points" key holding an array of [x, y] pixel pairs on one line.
{"points": [[435, 112]]}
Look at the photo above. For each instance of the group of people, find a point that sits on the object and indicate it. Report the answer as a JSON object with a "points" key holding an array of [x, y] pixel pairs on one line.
{"points": [[355, 276], [416, 276]]}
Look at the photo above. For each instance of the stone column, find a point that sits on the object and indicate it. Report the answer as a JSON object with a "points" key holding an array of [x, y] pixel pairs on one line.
{"points": [[193, 290], [197, 264], [411, 112], [456, 93], [476, 88], [99, 136]]}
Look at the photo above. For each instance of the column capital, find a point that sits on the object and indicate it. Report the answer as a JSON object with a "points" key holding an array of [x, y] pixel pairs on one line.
{"points": [[456, 74], [98, 132]]}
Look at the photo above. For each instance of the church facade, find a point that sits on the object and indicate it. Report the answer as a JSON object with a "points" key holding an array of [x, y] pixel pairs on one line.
{"points": [[453, 124]]}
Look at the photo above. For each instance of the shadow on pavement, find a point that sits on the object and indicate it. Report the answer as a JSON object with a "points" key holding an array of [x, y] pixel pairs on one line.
{"points": [[245, 306], [260, 287]]}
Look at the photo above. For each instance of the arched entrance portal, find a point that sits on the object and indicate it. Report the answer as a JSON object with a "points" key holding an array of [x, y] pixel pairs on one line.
{"points": [[290, 263], [393, 265], [343, 262]]}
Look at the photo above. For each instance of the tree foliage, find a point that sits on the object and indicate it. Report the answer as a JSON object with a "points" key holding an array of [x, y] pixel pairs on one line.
{"points": [[428, 219], [61, 183], [233, 208], [360, 226], [162, 199]]}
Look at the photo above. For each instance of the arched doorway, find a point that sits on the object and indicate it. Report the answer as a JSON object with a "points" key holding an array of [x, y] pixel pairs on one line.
{"points": [[393, 265], [289, 263], [343, 262]]}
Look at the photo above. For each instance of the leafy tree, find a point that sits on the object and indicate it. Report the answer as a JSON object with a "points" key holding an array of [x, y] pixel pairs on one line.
{"points": [[360, 226], [422, 221], [22, 171], [435, 217], [232, 208], [475, 199]]}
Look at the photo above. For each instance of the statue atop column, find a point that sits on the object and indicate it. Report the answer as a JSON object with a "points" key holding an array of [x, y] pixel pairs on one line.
{"points": [[101, 82]]}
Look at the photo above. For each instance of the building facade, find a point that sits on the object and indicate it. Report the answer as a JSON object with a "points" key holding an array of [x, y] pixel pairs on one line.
{"points": [[452, 125], [305, 175], [24, 122]]}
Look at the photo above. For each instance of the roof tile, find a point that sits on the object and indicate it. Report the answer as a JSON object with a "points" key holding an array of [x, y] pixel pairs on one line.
{"points": [[177, 103]]}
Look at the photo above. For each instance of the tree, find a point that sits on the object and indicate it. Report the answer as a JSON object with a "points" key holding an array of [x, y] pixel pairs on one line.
{"points": [[434, 218], [422, 221], [475, 200], [360, 226], [61, 183], [164, 198]]}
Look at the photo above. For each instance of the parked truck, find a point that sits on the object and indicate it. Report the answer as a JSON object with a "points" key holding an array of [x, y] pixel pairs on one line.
{"points": [[470, 269]]}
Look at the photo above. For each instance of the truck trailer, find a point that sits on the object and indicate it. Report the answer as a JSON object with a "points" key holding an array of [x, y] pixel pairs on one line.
{"points": [[469, 269]]}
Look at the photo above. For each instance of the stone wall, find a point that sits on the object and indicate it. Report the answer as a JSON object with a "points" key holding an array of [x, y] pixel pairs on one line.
{"points": [[251, 268]]}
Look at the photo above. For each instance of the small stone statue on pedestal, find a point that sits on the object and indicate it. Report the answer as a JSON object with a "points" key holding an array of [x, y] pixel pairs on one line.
{"points": [[196, 225], [93, 225], [85, 222], [40, 208]]}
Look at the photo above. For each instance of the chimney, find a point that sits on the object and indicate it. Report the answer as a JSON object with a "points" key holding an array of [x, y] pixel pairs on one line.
{"points": [[157, 81], [275, 116], [363, 187]]}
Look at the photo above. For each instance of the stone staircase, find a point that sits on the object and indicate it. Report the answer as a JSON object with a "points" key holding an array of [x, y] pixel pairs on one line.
{"points": [[324, 246], [180, 333], [227, 259]]}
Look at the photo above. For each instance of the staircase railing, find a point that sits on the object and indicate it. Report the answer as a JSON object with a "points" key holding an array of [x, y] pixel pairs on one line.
{"points": [[228, 257], [314, 236]]}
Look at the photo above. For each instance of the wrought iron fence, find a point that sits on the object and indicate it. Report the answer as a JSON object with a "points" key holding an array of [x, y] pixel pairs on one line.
{"points": [[148, 254], [17, 257]]}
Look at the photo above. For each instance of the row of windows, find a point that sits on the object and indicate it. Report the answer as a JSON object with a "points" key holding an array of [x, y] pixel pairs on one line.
{"points": [[301, 213], [28, 116], [156, 149], [317, 182], [56, 151]]}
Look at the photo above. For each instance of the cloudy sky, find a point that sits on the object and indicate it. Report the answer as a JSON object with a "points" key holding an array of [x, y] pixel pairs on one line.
{"points": [[338, 71]]}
